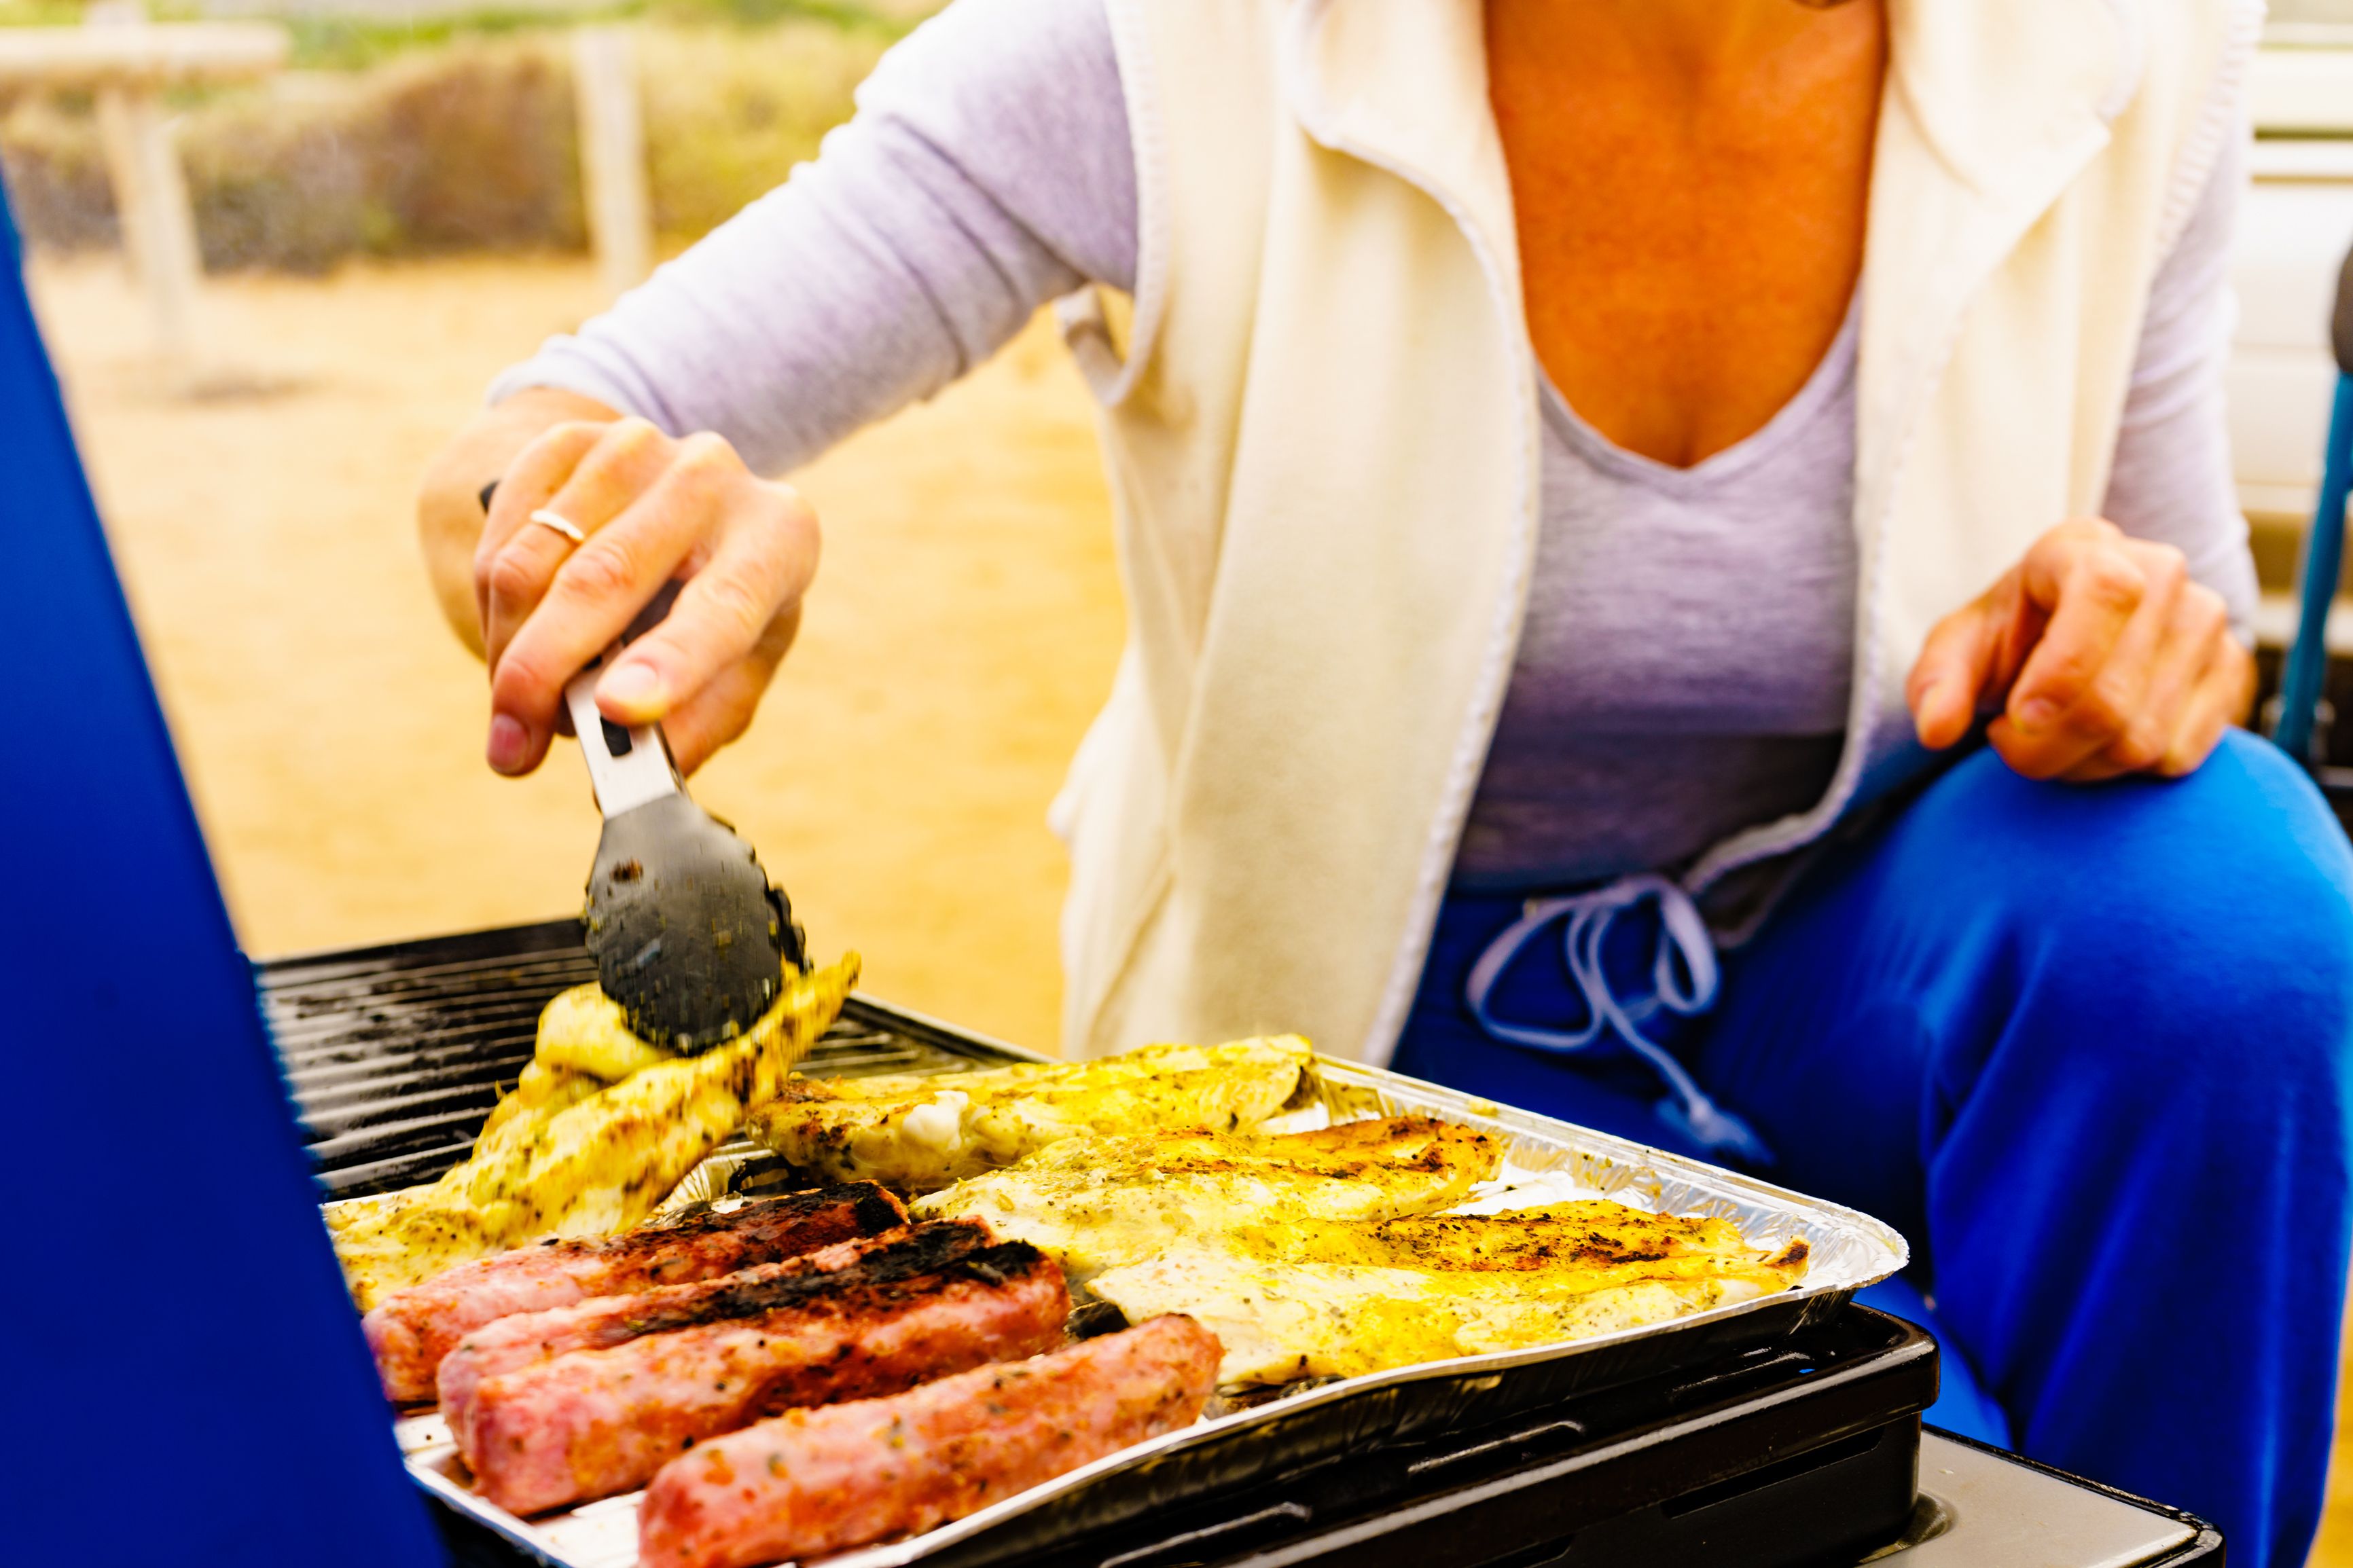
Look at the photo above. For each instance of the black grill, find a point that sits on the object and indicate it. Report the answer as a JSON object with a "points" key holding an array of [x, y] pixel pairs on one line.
{"points": [[1799, 1452], [1772, 1455]]}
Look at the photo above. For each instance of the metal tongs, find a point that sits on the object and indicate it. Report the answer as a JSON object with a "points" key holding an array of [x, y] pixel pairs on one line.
{"points": [[688, 936]]}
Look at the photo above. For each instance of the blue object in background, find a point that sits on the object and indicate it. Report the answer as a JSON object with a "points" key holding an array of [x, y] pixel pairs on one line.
{"points": [[2301, 678], [188, 1383]]}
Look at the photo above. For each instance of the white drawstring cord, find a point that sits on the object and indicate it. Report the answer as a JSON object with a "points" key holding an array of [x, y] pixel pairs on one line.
{"points": [[1684, 948]]}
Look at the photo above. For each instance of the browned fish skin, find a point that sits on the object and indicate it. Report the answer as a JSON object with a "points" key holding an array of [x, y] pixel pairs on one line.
{"points": [[604, 1322], [593, 1421], [815, 1481], [413, 1328]]}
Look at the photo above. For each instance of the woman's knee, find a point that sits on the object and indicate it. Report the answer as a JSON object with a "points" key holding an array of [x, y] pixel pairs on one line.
{"points": [[2186, 922]]}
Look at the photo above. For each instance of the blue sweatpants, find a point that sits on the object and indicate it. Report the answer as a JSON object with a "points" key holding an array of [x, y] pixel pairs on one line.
{"points": [[2091, 1050]]}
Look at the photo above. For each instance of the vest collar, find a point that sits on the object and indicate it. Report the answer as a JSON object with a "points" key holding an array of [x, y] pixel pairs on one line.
{"points": [[2000, 89], [1402, 85]]}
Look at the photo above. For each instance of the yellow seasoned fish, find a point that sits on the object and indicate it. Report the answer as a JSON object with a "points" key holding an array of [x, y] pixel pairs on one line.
{"points": [[1595, 1242], [1302, 1299], [567, 1155], [920, 1134], [585, 1031], [1099, 1202]]}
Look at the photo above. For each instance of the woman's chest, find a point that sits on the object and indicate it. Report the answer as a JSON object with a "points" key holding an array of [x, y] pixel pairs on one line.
{"points": [[1689, 228]]}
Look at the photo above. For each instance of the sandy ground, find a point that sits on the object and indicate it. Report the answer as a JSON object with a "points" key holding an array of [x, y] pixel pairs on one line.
{"points": [[964, 627]]}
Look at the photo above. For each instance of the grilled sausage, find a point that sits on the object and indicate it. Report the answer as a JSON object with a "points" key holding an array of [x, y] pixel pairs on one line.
{"points": [[814, 1481], [606, 1321], [412, 1329], [592, 1422]]}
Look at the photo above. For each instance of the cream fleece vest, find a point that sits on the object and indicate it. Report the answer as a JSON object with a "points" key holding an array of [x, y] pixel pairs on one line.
{"points": [[1321, 433]]}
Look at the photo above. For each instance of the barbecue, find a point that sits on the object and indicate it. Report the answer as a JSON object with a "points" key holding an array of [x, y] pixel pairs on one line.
{"points": [[1463, 1477], [434, 1026], [1754, 1444]]}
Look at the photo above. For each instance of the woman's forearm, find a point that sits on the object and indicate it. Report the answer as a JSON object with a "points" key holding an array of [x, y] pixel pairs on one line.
{"points": [[449, 502]]}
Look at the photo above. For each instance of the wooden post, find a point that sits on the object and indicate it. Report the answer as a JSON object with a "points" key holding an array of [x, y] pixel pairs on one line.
{"points": [[150, 200], [612, 156], [125, 62]]}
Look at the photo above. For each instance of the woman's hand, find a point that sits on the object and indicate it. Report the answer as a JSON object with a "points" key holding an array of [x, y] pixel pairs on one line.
{"points": [[2100, 655], [654, 509]]}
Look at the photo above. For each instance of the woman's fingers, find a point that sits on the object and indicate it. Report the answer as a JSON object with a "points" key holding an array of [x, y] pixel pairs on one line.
{"points": [[2123, 719], [2197, 625], [1970, 658], [654, 509], [2103, 657], [511, 554], [2091, 586], [761, 566], [2081, 688], [1954, 666], [2216, 702], [722, 708], [592, 598], [626, 457]]}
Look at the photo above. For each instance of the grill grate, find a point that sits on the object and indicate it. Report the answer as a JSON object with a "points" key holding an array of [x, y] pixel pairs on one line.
{"points": [[395, 1054]]}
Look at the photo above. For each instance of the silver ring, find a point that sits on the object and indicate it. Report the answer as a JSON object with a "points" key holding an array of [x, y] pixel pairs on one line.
{"points": [[561, 524]]}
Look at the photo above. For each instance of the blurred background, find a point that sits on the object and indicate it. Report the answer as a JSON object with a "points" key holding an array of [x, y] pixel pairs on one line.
{"points": [[385, 218], [280, 247]]}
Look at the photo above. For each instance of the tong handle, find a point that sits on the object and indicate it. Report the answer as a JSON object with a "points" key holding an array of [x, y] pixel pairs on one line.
{"points": [[628, 767]]}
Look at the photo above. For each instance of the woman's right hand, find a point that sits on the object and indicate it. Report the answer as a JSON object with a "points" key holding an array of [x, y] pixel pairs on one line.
{"points": [[653, 509]]}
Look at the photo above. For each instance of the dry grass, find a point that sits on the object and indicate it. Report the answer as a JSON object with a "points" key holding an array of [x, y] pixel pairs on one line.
{"points": [[729, 111], [471, 147]]}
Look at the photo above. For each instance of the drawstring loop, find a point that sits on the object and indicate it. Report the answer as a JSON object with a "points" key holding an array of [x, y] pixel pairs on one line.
{"points": [[1684, 981]]}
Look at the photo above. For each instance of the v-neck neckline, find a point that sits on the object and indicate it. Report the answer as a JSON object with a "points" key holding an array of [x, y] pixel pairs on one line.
{"points": [[1829, 378]]}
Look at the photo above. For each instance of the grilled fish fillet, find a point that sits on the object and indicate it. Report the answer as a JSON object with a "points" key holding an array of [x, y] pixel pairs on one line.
{"points": [[920, 1134], [1595, 1242], [585, 1031], [574, 1161], [1100, 1203], [1304, 1298]]}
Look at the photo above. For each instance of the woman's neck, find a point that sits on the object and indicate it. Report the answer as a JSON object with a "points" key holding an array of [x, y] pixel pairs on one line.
{"points": [[1694, 40], [1691, 179]]}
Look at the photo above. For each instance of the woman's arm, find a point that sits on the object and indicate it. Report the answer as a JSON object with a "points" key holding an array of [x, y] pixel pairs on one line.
{"points": [[2171, 481], [2119, 644], [988, 170]]}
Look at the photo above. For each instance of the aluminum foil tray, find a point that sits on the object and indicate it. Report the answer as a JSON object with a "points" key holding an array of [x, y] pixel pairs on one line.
{"points": [[1236, 1444]]}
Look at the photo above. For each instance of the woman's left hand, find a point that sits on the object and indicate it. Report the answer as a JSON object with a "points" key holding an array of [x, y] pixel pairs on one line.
{"points": [[2100, 655]]}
